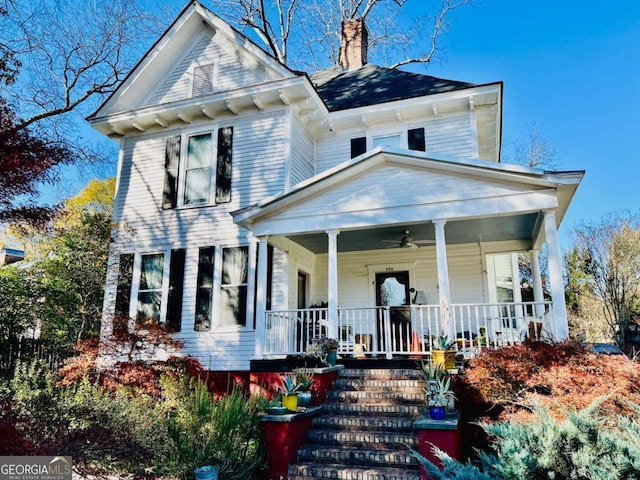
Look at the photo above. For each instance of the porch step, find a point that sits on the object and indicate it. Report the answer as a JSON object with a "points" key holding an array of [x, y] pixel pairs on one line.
{"points": [[365, 438], [366, 428], [356, 456], [307, 471], [352, 423], [372, 409]]}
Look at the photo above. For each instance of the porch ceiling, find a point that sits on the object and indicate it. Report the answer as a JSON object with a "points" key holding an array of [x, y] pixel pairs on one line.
{"points": [[493, 229]]}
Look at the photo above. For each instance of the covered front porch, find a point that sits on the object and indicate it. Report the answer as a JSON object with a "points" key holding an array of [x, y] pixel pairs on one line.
{"points": [[395, 248]]}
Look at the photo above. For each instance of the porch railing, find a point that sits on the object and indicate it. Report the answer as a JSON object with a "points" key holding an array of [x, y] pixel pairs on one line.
{"points": [[408, 329]]}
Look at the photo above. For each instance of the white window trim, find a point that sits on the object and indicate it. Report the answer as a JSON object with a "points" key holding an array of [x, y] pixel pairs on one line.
{"points": [[217, 286], [403, 138], [182, 172], [135, 283]]}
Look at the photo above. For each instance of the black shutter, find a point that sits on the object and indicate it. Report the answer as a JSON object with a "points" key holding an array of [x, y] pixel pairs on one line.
{"points": [[123, 288], [223, 169], [416, 139], [204, 290], [358, 146], [176, 282], [171, 167]]}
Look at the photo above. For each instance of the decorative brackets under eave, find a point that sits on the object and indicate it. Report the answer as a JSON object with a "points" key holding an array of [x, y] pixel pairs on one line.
{"points": [[231, 107], [137, 126], [257, 102], [184, 117], [160, 121], [208, 113]]}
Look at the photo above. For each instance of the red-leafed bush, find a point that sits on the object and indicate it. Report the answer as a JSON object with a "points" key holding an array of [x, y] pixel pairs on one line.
{"points": [[504, 383]]}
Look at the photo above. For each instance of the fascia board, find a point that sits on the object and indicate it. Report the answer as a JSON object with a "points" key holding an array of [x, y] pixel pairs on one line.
{"points": [[426, 99], [218, 96]]}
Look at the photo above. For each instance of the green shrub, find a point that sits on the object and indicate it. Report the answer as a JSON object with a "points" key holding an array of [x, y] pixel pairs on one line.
{"points": [[206, 431], [585, 445], [124, 431]]}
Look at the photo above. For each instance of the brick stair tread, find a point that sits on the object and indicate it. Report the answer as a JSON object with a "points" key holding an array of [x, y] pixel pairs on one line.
{"points": [[359, 422], [356, 456], [352, 384], [309, 471], [374, 396], [364, 439], [380, 374], [374, 409]]}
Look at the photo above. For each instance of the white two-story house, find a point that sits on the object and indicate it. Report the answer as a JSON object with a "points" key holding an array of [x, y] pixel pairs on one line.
{"points": [[259, 208]]}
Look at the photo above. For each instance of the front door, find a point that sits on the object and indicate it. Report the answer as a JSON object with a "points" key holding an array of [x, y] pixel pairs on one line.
{"points": [[392, 290]]}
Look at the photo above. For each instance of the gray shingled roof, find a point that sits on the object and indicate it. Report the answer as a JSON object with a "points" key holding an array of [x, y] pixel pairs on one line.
{"points": [[371, 85]]}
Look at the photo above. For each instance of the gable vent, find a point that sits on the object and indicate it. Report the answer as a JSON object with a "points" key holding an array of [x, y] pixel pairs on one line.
{"points": [[203, 80]]}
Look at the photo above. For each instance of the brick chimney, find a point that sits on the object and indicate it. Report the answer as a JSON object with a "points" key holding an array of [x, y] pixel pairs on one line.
{"points": [[353, 47]]}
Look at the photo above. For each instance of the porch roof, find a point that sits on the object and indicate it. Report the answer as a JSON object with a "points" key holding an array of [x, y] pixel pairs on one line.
{"points": [[373, 199]]}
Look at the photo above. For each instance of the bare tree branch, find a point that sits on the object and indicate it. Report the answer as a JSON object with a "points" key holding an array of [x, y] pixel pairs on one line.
{"points": [[439, 26]]}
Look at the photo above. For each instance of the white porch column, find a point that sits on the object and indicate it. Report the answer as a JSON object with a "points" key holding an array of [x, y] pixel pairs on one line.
{"points": [[443, 280], [560, 329], [333, 284], [261, 297], [536, 276]]}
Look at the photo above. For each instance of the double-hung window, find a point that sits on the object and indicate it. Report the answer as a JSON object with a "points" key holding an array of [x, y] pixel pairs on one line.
{"points": [[198, 168], [233, 287], [150, 287], [197, 171]]}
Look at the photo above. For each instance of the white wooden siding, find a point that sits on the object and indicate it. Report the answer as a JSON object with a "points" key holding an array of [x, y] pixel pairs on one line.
{"points": [[257, 172], [230, 73], [450, 135], [447, 134], [302, 152]]}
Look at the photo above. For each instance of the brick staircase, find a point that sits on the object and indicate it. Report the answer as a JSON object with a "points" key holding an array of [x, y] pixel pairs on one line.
{"points": [[366, 425]]}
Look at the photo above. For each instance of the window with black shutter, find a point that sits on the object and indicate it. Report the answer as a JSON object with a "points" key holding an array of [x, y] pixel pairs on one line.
{"points": [[171, 166], [223, 169], [204, 290], [416, 140], [358, 146], [189, 170], [176, 283]]}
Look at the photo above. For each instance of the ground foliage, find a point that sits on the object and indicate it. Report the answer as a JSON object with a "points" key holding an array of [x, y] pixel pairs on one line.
{"points": [[548, 411], [504, 383], [131, 427]]}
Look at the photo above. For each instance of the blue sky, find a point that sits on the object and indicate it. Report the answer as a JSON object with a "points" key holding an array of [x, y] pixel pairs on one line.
{"points": [[574, 68]]}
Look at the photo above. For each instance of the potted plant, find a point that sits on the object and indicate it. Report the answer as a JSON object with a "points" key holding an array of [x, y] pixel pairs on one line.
{"points": [[443, 352], [439, 393], [304, 378], [329, 347], [290, 389], [274, 407]]}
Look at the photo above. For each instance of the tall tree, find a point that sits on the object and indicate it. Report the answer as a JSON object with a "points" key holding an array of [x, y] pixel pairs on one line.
{"points": [[306, 34], [66, 266], [609, 266], [58, 59]]}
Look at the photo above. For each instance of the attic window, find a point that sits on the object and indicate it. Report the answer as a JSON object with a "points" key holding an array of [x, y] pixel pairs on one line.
{"points": [[203, 80]]}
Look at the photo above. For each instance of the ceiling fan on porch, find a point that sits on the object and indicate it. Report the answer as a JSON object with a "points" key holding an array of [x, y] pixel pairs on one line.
{"points": [[407, 241]]}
